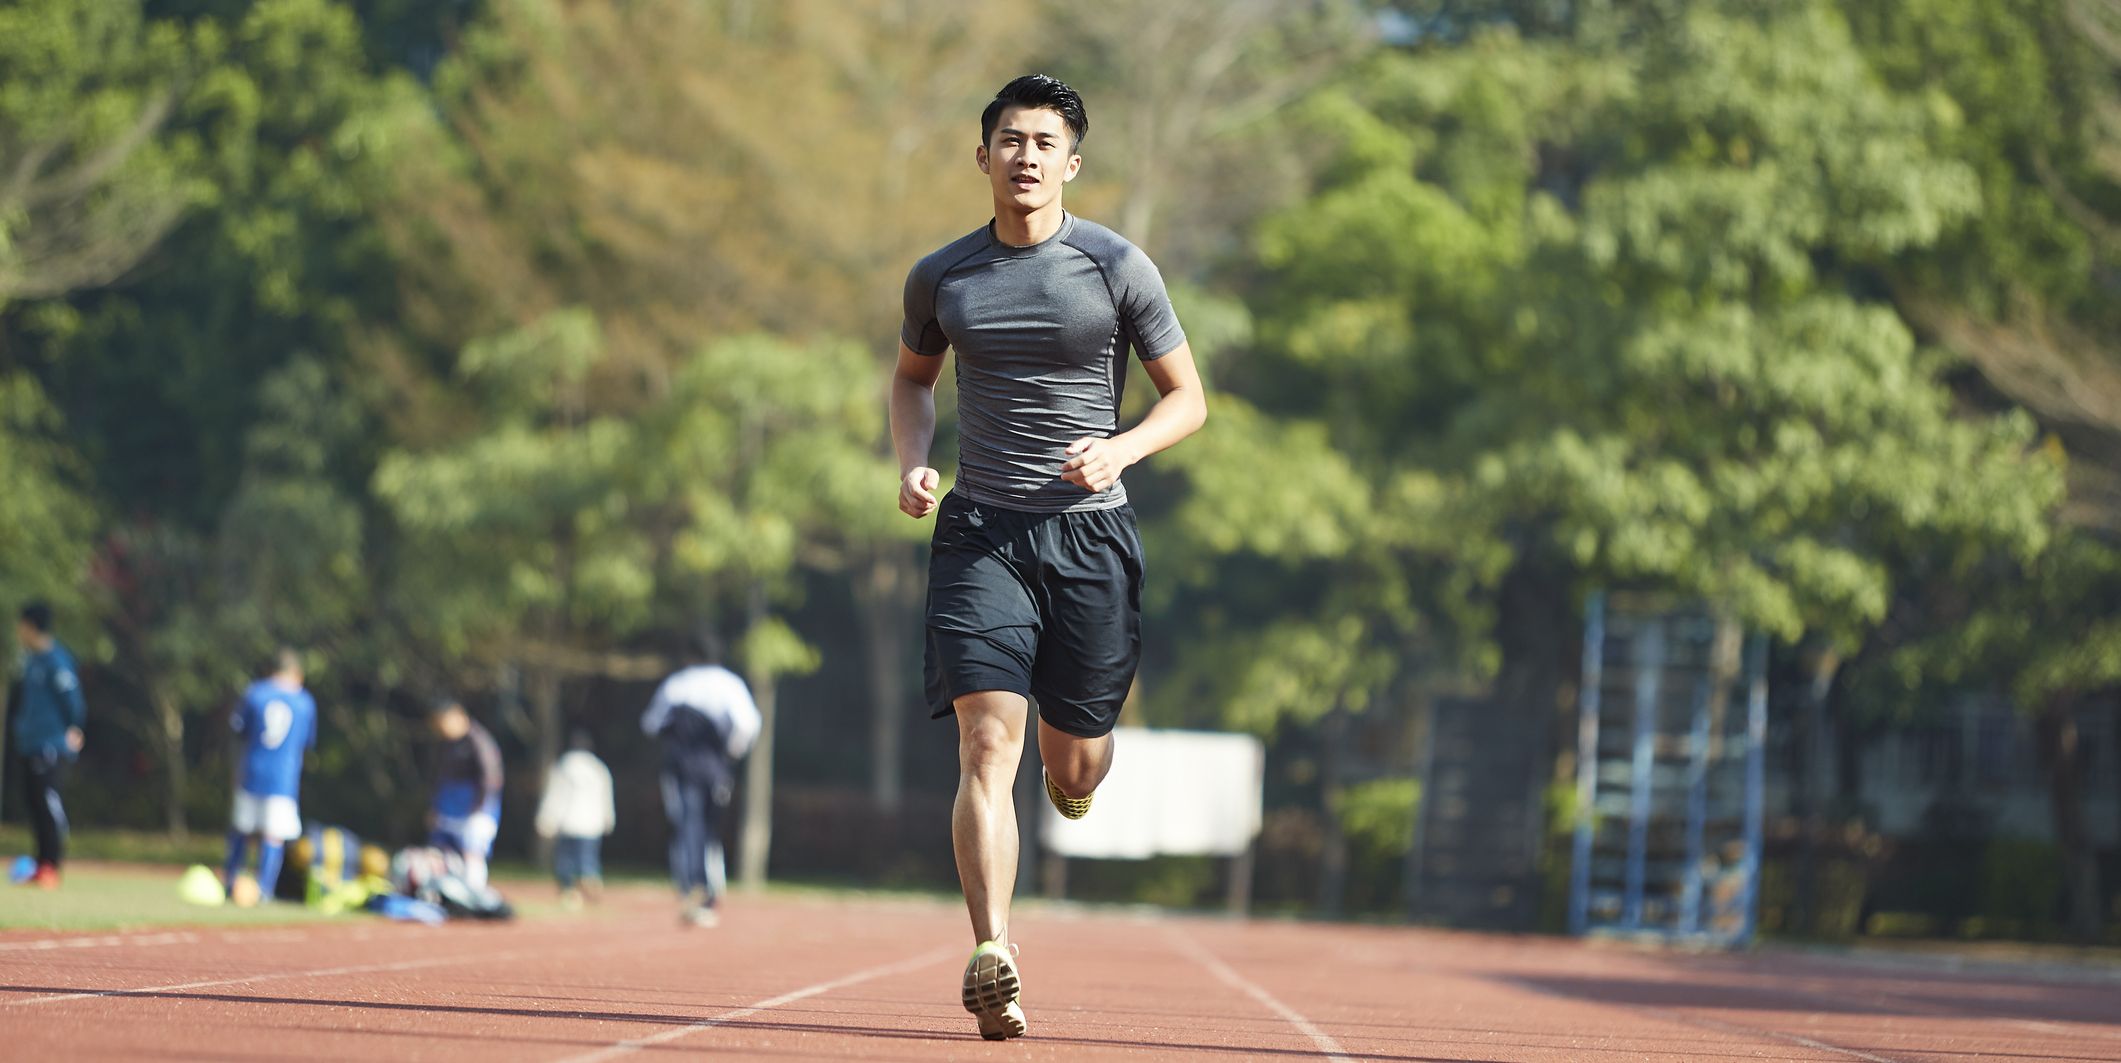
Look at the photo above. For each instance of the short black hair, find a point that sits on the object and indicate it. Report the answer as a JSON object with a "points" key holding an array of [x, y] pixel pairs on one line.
{"points": [[38, 615], [579, 738], [444, 705], [1038, 90]]}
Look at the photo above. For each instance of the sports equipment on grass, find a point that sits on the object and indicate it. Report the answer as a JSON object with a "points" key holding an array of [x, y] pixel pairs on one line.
{"points": [[199, 885]]}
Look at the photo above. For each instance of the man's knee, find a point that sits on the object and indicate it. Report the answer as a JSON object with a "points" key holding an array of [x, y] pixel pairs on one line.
{"points": [[988, 748], [990, 733]]}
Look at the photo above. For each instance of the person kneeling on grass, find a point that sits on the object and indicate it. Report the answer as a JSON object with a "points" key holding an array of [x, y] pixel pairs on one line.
{"points": [[575, 815]]}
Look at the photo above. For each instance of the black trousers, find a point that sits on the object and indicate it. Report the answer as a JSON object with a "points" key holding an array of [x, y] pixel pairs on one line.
{"points": [[42, 775], [694, 806]]}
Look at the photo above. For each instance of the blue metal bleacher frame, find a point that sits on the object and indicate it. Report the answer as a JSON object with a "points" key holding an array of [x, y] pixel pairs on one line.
{"points": [[1669, 785]]}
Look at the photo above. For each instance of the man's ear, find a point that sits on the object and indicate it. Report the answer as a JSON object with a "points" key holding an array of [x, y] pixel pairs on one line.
{"points": [[979, 155], [1075, 165]]}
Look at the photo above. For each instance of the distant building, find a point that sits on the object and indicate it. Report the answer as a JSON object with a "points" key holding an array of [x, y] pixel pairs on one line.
{"points": [[1975, 762]]}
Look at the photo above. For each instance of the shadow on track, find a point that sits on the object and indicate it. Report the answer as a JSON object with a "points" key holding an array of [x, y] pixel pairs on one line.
{"points": [[734, 1024]]}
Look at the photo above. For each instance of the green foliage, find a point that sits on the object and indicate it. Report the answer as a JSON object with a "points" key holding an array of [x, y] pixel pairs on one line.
{"points": [[94, 180], [44, 540], [1378, 817], [2045, 630], [524, 513], [1604, 294], [286, 141], [442, 377]]}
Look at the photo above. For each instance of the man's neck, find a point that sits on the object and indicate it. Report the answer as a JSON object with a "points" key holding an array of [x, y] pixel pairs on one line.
{"points": [[1023, 230], [42, 644]]}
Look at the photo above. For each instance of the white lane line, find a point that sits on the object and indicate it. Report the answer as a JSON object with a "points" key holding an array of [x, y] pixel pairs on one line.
{"points": [[1327, 1046], [1731, 1027], [45, 944], [320, 972], [638, 1043]]}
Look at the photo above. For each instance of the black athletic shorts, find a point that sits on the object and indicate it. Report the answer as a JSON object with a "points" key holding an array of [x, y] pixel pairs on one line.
{"points": [[1047, 605]]}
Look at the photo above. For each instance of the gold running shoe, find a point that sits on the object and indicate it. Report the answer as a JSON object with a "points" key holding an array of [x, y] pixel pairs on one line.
{"points": [[1068, 807], [991, 991]]}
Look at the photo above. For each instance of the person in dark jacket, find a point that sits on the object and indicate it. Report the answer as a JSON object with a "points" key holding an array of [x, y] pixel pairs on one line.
{"points": [[47, 734], [467, 803]]}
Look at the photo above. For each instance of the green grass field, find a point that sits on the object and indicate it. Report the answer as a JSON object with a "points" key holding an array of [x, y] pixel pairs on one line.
{"points": [[124, 880], [99, 896]]}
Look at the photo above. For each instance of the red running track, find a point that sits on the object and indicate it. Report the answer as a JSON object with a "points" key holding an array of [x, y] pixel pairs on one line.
{"points": [[871, 979]]}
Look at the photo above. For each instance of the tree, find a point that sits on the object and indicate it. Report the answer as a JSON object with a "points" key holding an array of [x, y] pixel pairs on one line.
{"points": [[206, 180], [673, 204], [1182, 98], [2026, 297], [1607, 293], [93, 180], [522, 528], [48, 536], [765, 454]]}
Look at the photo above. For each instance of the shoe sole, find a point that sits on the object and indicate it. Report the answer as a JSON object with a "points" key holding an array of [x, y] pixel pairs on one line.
{"points": [[1005, 1025], [991, 990], [1068, 807]]}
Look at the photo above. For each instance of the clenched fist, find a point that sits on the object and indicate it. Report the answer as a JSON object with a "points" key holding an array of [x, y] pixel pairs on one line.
{"points": [[1094, 463], [916, 492]]}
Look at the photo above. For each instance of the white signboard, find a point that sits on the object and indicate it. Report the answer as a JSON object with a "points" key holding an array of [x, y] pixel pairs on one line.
{"points": [[1177, 793]]}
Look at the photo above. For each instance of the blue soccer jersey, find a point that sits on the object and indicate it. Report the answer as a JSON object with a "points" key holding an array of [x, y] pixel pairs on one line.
{"points": [[277, 725]]}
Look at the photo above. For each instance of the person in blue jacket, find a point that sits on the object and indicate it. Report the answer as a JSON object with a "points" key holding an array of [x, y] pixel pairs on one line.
{"points": [[47, 734]]}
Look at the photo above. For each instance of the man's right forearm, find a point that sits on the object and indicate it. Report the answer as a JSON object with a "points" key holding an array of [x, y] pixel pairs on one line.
{"points": [[912, 423]]}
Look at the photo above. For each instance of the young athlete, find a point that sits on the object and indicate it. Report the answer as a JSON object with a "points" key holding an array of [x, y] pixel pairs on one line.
{"points": [[467, 803], [277, 721], [1034, 584], [47, 735]]}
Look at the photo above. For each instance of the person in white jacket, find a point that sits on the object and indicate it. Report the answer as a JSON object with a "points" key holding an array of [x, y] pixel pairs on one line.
{"points": [[707, 722], [576, 813]]}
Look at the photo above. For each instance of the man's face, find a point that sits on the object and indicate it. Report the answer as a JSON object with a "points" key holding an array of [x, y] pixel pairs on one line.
{"points": [[452, 725], [1029, 157], [26, 634]]}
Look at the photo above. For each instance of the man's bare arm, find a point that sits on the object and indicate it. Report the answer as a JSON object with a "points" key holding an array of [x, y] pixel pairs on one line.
{"points": [[1095, 464], [913, 429]]}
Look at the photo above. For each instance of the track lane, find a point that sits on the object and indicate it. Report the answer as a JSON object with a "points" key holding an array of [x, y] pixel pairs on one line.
{"points": [[866, 978]]}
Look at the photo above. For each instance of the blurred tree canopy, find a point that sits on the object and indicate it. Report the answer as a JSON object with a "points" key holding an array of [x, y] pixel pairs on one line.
{"points": [[494, 346]]}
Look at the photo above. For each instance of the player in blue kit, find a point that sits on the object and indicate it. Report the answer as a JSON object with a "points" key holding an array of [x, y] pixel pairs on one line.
{"points": [[277, 720]]}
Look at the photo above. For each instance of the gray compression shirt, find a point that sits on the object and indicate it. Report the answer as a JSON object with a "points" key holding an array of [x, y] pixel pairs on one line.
{"points": [[1041, 334]]}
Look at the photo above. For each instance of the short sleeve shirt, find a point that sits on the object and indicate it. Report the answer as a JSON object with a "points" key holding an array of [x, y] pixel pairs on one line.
{"points": [[1042, 334], [278, 725]]}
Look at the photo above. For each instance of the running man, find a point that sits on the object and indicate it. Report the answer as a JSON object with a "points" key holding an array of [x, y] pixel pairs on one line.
{"points": [[47, 735], [1034, 584], [277, 720], [467, 806]]}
